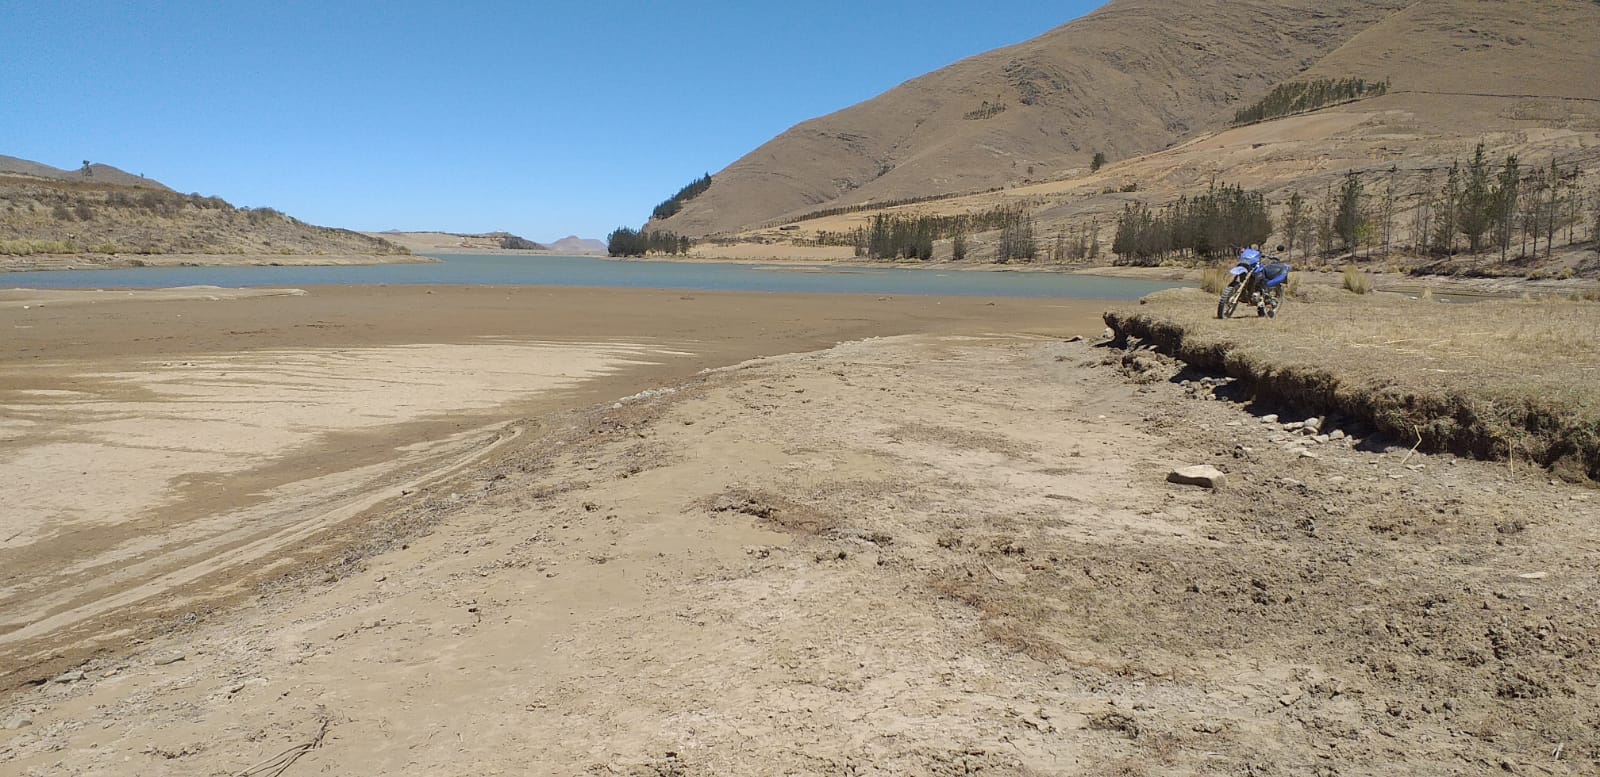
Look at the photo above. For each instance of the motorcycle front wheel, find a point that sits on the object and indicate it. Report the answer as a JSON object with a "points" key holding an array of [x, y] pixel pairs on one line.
{"points": [[1229, 299]]}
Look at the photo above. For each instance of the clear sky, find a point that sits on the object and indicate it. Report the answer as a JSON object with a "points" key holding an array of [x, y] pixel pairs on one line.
{"points": [[540, 118]]}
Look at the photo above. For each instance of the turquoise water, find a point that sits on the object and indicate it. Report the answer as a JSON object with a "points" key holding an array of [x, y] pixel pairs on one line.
{"points": [[513, 270]]}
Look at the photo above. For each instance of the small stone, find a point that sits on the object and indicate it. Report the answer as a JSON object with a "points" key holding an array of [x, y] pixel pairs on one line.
{"points": [[1108, 334], [1312, 423], [1075, 339], [1203, 475], [1305, 454], [1293, 425], [1337, 434], [70, 677], [169, 658], [19, 720], [1321, 438], [1269, 419]]}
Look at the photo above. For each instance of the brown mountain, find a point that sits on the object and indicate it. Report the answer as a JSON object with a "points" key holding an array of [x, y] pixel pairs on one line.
{"points": [[1141, 76]]}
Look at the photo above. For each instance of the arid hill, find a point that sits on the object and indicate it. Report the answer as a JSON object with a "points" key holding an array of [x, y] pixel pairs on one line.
{"points": [[425, 241], [53, 212], [572, 244], [91, 172], [1151, 83]]}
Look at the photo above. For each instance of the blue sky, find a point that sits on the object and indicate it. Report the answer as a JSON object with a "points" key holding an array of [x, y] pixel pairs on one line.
{"points": [[540, 118]]}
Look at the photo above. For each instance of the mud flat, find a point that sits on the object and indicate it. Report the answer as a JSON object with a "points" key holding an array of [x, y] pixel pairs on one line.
{"points": [[167, 452], [936, 553]]}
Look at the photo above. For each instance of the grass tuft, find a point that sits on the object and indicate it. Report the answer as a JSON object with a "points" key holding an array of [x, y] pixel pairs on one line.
{"points": [[1357, 281], [1214, 279]]}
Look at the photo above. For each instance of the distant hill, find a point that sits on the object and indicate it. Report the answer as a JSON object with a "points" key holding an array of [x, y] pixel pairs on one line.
{"points": [[92, 173], [103, 210], [459, 241], [572, 244], [1139, 77]]}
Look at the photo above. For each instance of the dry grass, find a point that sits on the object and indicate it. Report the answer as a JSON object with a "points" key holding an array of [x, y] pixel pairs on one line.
{"points": [[67, 217], [1494, 378], [32, 247], [1357, 281], [1214, 279]]}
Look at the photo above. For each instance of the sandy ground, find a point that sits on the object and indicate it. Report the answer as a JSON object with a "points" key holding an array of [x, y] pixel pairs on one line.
{"points": [[949, 552], [166, 451]]}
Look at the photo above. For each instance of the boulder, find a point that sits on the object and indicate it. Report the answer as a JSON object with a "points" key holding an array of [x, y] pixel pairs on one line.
{"points": [[1203, 475]]}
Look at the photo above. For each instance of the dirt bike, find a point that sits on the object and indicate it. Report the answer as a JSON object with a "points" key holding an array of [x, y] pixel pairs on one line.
{"points": [[1250, 283]]}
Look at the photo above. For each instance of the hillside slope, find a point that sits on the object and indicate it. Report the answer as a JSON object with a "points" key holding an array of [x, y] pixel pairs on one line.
{"points": [[1522, 79], [1134, 77], [112, 212], [89, 173]]}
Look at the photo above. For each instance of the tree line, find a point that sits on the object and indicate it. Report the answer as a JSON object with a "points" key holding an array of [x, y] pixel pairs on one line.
{"points": [[911, 236], [634, 242], [1480, 206], [1204, 226], [673, 204], [1300, 96]]}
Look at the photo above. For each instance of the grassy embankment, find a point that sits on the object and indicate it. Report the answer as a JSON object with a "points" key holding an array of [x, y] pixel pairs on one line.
{"points": [[1506, 380]]}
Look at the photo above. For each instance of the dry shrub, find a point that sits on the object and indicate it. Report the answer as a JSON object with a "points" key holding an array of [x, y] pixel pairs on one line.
{"points": [[31, 247], [1357, 281], [1214, 279]]}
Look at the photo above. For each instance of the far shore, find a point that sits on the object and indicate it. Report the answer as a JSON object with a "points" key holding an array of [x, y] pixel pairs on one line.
{"points": [[48, 262]]}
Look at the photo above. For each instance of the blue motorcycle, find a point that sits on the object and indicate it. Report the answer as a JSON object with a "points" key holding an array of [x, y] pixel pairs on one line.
{"points": [[1260, 282]]}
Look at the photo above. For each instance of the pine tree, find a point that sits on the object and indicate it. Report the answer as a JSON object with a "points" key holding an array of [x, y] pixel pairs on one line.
{"points": [[1594, 215], [1326, 211], [1474, 213], [1294, 220], [1551, 208], [1449, 210], [1504, 203], [1422, 216], [1387, 208], [1532, 209], [1097, 162], [1351, 217]]}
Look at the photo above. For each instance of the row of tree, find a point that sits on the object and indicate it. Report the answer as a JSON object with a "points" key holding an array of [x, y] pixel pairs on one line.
{"points": [[1482, 206], [633, 242], [1299, 96], [675, 203], [911, 236], [1204, 226]]}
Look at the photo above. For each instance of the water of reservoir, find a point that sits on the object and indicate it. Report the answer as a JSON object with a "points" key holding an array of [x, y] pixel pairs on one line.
{"points": [[523, 270]]}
